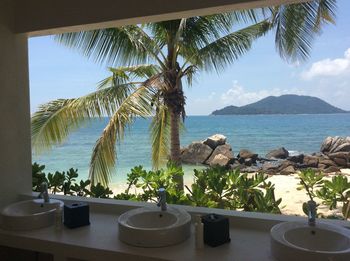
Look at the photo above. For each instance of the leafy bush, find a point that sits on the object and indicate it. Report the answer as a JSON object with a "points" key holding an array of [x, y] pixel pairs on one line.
{"points": [[38, 176], [229, 189], [65, 183], [332, 192], [146, 184], [214, 187]]}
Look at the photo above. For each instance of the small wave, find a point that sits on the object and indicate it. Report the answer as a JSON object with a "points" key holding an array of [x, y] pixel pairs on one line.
{"points": [[294, 152]]}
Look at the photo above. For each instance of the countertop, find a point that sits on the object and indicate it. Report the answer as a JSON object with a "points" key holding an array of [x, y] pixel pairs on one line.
{"points": [[99, 241]]}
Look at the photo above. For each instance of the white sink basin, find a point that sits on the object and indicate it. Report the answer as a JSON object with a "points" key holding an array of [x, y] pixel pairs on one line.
{"points": [[29, 214], [299, 241], [151, 227]]}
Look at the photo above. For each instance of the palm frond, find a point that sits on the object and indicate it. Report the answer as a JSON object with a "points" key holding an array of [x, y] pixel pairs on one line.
{"points": [[160, 136], [102, 163], [125, 74], [53, 121], [298, 24], [114, 46], [227, 49], [189, 74]]}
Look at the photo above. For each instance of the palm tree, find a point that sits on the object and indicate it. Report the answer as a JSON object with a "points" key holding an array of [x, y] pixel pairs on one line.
{"points": [[150, 63]]}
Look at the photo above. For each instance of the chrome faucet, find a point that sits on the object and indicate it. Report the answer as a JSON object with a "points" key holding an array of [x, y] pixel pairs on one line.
{"points": [[162, 199], [311, 205], [44, 194]]}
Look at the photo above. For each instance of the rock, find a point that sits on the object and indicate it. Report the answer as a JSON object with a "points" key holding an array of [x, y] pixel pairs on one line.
{"points": [[301, 166], [235, 165], [326, 145], [332, 169], [280, 153], [286, 164], [297, 158], [335, 144], [269, 166], [246, 154], [225, 150], [322, 166], [196, 152], [343, 155], [341, 159], [345, 147], [220, 160], [215, 140], [341, 162], [288, 170], [252, 169], [326, 162], [310, 161], [248, 162]]}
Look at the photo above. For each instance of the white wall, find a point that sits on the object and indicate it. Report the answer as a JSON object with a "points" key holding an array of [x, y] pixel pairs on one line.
{"points": [[15, 148]]}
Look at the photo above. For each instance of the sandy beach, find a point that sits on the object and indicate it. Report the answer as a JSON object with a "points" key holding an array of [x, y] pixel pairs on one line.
{"points": [[285, 188]]}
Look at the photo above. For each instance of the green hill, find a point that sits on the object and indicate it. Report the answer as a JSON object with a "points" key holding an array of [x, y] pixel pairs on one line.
{"points": [[285, 104]]}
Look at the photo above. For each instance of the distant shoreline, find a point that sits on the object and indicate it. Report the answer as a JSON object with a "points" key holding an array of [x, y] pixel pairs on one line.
{"points": [[264, 114]]}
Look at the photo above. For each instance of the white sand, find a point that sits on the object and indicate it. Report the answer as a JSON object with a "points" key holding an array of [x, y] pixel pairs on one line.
{"points": [[285, 188]]}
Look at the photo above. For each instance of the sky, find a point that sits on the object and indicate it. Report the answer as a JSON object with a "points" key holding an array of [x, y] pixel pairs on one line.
{"points": [[59, 72]]}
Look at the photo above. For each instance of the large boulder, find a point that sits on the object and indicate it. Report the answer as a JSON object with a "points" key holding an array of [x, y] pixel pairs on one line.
{"points": [[286, 163], [271, 167], [196, 152], [332, 169], [280, 153], [215, 140], [225, 150], [220, 160], [296, 158], [326, 161], [246, 154], [288, 170], [310, 161], [341, 159], [335, 144], [326, 144]]}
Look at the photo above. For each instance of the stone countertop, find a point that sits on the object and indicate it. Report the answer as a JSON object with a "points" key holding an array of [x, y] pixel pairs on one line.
{"points": [[99, 241]]}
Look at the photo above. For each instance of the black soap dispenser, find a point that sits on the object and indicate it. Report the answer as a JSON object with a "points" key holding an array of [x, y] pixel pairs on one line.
{"points": [[76, 215], [216, 230]]}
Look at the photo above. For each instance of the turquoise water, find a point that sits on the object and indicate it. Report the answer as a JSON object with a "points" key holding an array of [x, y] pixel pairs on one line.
{"points": [[259, 133]]}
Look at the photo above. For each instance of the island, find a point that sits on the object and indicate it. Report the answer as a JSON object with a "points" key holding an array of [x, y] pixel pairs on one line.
{"points": [[284, 104]]}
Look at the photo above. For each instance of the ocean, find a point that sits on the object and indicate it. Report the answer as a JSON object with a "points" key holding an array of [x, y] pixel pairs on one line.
{"points": [[258, 133]]}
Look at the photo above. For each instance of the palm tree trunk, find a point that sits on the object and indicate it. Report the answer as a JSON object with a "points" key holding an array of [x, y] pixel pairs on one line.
{"points": [[175, 154], [175, 138]]}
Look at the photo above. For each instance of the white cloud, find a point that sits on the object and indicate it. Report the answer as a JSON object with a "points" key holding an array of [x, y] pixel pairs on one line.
{"points": [[328, 67], [239, 96]]}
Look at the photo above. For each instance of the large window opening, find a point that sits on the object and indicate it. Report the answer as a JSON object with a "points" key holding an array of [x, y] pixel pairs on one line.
{"points": [[114, 118]]}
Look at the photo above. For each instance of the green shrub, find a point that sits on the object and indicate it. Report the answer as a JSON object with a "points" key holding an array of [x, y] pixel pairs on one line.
{"points": [[331, 192], [65, 182], [213, 187], [229, 189]]}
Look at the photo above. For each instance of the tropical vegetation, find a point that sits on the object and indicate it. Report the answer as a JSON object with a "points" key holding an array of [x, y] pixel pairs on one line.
{"points": [[214, 187], [151, 63], [334, 192]]}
